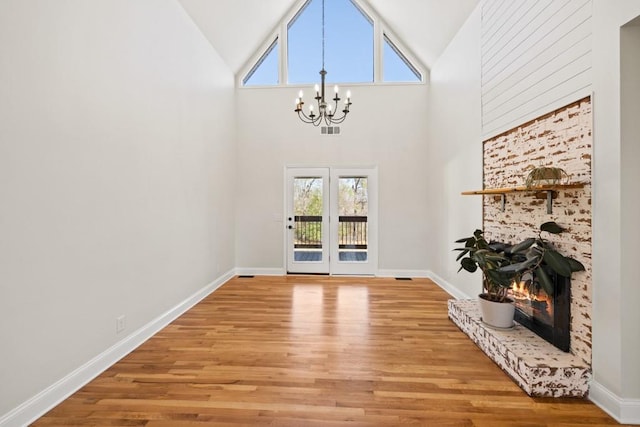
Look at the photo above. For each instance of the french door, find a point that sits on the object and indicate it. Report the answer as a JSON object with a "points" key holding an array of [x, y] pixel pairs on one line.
{"points": [[331, 224]]}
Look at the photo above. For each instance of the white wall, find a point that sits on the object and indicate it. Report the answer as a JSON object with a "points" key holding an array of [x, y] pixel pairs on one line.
{"points": [[386, 127], [116, 177], [536, 57], [616, 341], [630, 202], [455, 155]]}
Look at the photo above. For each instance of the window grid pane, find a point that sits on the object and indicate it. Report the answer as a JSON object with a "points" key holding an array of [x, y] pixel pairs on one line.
{"points": [[348, 44], [397, 67], [265, 72]]}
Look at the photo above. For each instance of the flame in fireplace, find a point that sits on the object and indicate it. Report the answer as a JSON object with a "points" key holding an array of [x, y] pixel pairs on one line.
{"points": [[533, 304]]}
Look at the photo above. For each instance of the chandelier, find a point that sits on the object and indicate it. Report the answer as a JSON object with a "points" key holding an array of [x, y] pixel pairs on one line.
{"points": [[326, 110]]}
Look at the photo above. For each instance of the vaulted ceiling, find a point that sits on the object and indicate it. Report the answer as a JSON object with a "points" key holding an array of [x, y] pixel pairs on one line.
{"points": [[237, 28]]}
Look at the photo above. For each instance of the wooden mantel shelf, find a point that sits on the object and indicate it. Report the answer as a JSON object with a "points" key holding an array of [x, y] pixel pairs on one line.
{"points": [[549, 189], [534, 189]]}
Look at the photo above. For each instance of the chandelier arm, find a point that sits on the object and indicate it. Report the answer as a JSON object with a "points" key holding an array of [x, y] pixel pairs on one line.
{"points": [[339, 119], [304, 117]]}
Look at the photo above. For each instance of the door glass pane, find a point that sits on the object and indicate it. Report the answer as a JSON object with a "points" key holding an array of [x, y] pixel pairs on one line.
{"points": [[307, 210], [353, 208]]}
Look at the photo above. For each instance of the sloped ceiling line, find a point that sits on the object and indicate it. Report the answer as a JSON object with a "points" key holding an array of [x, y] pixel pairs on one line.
{"points": [[238, 28]]}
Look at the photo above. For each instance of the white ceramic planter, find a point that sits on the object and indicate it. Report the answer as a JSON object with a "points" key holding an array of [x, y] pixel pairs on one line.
{"points": [[497, 314]]}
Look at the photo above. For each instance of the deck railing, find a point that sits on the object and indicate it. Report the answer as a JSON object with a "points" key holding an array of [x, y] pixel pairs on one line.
{"points": [[352, 231], [308, 231]]}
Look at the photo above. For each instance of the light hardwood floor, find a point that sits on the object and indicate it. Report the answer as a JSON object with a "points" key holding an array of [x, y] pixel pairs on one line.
{"points": [[314, 351]]}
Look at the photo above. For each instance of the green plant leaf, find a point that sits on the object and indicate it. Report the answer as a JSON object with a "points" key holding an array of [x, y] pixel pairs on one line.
{"points": [[557, 262], [551, 227], [544, 280], [464, 239], [469, 265], [497, 246], [522, 246], [575, 265], [463, 253], [520, 266]]}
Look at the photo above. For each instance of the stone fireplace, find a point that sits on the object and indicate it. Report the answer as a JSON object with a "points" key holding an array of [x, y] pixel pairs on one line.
{"points": [[562, 138]]}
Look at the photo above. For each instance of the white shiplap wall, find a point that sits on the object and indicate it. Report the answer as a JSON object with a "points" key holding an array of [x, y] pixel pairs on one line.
{"points": [[536, 57]]}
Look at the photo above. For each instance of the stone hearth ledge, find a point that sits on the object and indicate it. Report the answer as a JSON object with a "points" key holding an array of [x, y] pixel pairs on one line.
{"points": [[538, 367]]}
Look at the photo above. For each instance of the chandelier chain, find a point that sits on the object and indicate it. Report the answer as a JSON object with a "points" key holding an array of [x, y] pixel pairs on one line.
{"points": [[323, 34], [327, 112]]}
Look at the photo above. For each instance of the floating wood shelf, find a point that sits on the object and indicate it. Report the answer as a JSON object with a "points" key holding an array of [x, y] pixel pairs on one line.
{"points": [[549, 189]]}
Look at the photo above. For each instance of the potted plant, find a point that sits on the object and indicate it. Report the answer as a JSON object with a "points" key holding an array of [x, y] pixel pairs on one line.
{"points": [[545, 175], [503, 265], [496, 308], [532, 254]]}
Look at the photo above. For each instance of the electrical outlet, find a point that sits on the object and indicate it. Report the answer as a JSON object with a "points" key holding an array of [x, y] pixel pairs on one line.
{"points": [[121, 323]]}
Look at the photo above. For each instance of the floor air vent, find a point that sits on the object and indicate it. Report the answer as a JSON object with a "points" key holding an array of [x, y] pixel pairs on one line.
{"points": [[404, 278], [246, 276]]}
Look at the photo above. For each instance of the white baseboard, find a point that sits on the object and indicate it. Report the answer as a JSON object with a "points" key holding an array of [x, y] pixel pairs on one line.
{"points": [[625, 411], [402, 273], [448, 287], [244, 271], [47, 399]]}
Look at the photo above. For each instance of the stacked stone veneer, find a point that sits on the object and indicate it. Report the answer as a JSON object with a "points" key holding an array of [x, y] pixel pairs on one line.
{"points": [[538, 367], [562, 138]]}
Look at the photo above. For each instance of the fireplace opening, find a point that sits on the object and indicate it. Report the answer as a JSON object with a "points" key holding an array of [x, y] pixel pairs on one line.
{"points": [[546, 315]]}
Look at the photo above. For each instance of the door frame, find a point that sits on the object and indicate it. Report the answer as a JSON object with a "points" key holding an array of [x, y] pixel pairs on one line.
{"points": [[336, 267]]}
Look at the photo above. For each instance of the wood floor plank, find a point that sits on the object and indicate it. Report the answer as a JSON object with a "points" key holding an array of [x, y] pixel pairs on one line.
{"points": [[314, 351]]}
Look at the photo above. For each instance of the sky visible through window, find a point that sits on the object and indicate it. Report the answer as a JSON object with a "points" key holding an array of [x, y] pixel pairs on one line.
{"points": [[348, 44], [348, 49], [266, 71], [395, 67]]}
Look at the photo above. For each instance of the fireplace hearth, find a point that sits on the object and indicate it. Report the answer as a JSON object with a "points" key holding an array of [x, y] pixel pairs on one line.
{"points": [[540, 368], [546, 315]]}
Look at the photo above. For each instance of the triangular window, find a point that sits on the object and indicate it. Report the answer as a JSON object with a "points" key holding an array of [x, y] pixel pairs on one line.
{"points": [[397, 67], [357, 48], [265, 72], [348, 35]]}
